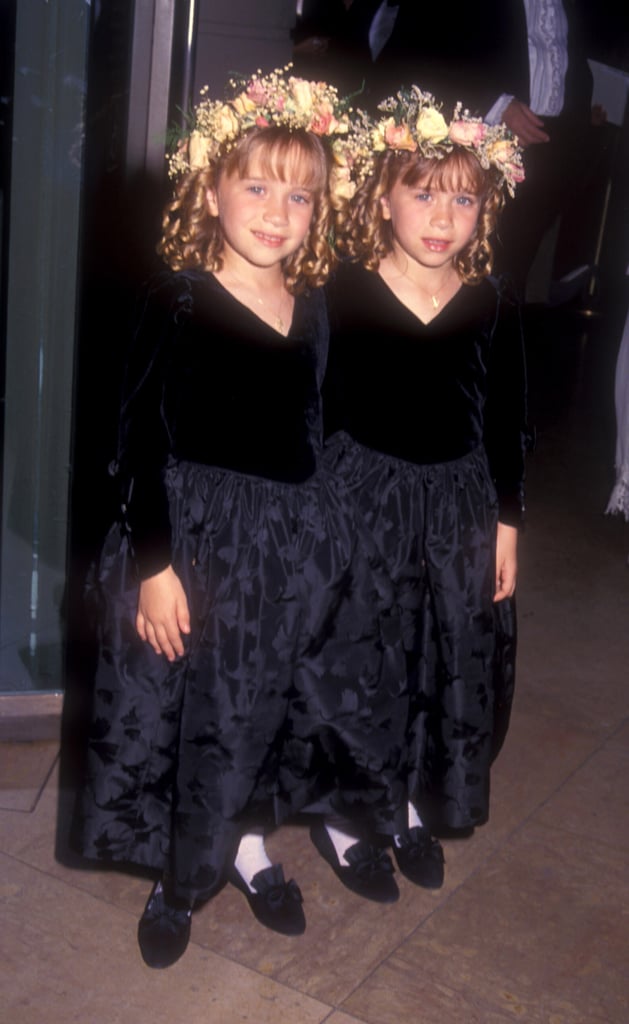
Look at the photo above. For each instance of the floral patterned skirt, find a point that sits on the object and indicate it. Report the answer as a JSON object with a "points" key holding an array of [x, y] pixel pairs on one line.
{"points": [[292, 691], [435, 526]]}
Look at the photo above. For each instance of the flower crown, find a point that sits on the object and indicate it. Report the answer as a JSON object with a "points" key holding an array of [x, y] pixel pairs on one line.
{"points": [[413, 122], [262, 101]]}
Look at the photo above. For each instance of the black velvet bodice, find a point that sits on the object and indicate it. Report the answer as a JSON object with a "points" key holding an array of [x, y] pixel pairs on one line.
{"points": [[209, 382], [428, 393]]}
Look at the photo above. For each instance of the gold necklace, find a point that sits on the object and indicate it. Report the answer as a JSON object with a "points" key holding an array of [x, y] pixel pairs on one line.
{"points": [[278, 321], [278, 324], [433, 296]]}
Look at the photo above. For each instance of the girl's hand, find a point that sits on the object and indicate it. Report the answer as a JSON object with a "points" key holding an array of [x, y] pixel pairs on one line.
{"points": [[506, 561], [163, 614]]}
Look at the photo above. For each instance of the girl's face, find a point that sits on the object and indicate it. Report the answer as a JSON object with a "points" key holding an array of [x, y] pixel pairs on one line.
{"points": [[264, 219], [430, 224]]}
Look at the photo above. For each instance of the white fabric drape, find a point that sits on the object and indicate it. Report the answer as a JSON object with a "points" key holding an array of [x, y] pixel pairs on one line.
{"points": [[619, 500]]}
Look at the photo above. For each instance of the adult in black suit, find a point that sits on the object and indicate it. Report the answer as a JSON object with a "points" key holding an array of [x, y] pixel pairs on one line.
{"points": [[478, 53], [331, 41]]}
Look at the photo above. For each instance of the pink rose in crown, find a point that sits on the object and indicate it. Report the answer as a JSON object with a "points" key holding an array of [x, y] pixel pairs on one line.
{"points": [[467, 133], [515, 172], [262, 122], [323, 121], [256, 92], [398, 136]]}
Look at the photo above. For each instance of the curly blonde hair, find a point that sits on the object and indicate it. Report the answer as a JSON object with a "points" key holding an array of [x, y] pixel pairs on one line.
{"points": [[367, 237], [193, 239]]}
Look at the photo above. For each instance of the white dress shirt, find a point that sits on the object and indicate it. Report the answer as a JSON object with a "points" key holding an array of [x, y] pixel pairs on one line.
{"points": [[547, 29]]}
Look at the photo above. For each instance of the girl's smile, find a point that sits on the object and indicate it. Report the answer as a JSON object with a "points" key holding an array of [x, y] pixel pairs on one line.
{"points": [[430, 226], [263, 219]]}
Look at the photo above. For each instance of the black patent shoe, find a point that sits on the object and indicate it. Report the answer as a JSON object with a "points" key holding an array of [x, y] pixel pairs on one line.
{"points": [[369, 871], [420, 858], [164, 929], [276, 903]]}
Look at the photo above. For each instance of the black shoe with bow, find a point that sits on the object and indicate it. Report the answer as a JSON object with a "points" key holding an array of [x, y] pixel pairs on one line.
{"points": [[369, 871], [164, 929], [420, 857], [276, 903]]}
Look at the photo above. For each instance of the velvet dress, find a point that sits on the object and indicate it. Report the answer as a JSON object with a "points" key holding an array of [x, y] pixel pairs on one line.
{"points": [[427, 425], [284, 696]]}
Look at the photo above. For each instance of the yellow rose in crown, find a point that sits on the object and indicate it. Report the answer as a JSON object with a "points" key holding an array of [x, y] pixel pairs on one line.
{"points": [[341, 155], [243, 104], [502, 151], [198, 149], [431, 125], [467, 133], [341, 184], [301, 91], [227, 124]]}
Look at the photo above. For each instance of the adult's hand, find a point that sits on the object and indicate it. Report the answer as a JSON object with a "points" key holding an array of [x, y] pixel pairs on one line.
{"points": [[528, 127]]}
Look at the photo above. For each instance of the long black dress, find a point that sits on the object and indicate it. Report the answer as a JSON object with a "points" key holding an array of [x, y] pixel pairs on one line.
{"points": [[426, 423], [283, 697]]}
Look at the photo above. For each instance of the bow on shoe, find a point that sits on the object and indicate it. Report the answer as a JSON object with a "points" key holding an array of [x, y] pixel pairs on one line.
{"points": [[422, 845], [420, 858], [368, 870], [368, 861], [276, 903], [274, 890]]}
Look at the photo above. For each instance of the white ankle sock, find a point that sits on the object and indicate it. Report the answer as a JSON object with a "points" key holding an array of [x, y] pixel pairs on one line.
{"points": [[414, 821], [341, 841], [251, 857]]}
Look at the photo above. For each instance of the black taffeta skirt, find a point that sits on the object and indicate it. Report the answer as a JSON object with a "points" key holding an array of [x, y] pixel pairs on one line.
{"points": [[435, 526], [292, 690]]}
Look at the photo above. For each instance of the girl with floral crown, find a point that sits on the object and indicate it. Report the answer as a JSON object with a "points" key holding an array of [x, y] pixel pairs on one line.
{"points": [[243, 633], [424, 405]]}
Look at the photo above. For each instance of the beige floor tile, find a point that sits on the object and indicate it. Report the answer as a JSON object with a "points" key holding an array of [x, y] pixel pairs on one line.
{"points": [[538, 935], [552, 749], [24, 770], [403, 993], [621, 736], [594, 802], [343, 1018], [65, 957], [573, 653], [36, 843]]}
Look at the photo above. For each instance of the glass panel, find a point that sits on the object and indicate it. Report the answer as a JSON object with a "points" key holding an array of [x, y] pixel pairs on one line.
{"points": [[41, 212]]}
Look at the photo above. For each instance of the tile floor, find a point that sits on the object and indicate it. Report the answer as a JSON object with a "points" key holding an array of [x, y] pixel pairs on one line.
{"points": [[532, 924]]}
